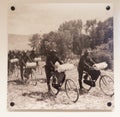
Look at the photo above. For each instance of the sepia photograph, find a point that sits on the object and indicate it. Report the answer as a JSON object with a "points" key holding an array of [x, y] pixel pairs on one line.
{"points": [[60, 57]]}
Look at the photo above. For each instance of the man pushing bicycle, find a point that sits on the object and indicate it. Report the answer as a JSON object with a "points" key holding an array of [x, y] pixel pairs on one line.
{"points": [[51, 59], [86, 64]]}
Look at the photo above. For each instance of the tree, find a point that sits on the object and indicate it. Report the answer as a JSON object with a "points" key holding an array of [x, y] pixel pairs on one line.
{"points": [[35, 42], [72, 37], [90, 28], [71, 31], [104, 31], [48, 42], [108, 28]]}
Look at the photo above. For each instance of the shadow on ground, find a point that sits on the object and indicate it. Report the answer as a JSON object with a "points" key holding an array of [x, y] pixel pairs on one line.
{"points": [[20, 82], [39, 96]]}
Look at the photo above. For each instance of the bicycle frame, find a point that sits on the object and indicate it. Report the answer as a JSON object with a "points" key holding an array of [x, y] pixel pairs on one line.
{"points": [[70, 88], [84, 72], [106, 81]]}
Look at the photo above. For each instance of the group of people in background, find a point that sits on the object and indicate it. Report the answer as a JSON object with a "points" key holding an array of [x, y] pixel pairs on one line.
{"points": [[23, 57]]}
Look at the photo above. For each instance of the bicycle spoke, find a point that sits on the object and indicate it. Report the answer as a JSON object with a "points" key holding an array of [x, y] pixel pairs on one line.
{"points": [[104, 81], [71, 90], [106, 84], [69, 86]]}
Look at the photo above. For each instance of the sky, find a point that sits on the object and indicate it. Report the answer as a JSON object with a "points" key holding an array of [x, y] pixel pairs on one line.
{"points": [[45, 17]]}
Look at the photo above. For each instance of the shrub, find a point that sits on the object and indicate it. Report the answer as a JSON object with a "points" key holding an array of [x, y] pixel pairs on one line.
{"points": [[103, 56]]}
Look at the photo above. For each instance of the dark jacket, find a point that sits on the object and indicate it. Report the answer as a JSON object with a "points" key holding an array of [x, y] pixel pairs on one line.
{"points": [[85, 62], [50, 61]]}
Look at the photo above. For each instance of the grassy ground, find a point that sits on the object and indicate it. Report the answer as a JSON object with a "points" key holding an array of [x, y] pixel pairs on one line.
{"points": [[29, 97]]}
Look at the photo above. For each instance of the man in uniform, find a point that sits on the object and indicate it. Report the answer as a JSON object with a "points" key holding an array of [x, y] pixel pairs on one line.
{"points": [[51, 59], [86, 64]]}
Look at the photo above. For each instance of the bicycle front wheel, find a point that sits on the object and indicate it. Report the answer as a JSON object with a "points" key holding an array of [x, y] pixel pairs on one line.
{"points": [[106, 84], [72, 91]]}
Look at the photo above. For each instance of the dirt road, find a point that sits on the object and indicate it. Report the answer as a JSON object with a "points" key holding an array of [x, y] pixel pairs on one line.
{"points": [[27, 97]]}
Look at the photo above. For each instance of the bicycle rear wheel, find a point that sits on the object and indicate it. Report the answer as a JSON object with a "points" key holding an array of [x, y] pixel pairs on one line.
{"points": [[72, 91], [54, 90], [106, 84], [86, 86], [32, 78]]}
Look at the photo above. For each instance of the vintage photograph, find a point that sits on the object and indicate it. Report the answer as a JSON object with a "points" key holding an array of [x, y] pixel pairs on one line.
{"points": [[60, 57]]}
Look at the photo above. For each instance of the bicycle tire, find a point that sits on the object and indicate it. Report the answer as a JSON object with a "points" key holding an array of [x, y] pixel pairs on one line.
{"points": [[32, 79], [71, 90], [86, 86], [54, 91], [106, 84]]}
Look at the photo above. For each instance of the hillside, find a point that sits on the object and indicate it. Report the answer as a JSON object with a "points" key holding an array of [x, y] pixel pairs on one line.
{"points": [[18, 42]]}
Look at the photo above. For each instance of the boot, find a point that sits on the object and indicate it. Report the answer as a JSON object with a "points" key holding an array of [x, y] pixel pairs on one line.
{"points": [[90, 83], [56, 86]]}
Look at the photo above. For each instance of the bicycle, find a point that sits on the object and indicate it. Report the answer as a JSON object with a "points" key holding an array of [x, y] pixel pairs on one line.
{"points": [[105, 83], [29, 74], [13, 68], [38, 66], [71, 89]]}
